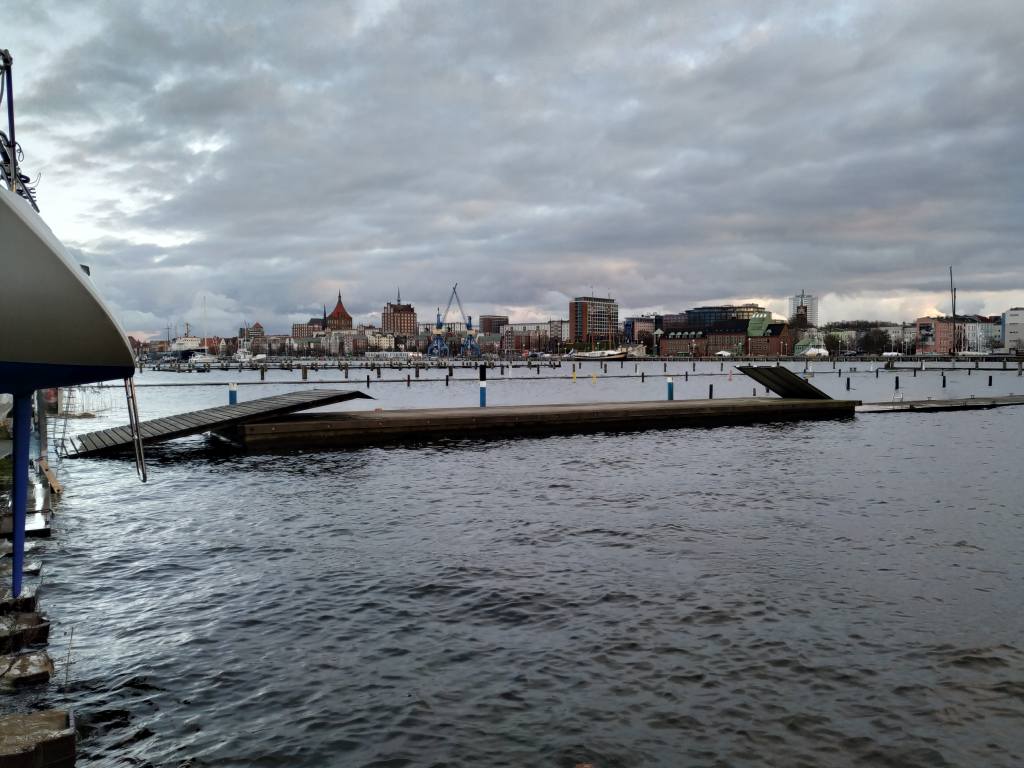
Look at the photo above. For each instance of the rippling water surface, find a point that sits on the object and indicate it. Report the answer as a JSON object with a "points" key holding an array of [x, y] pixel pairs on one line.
{"points": [[821, 593]]}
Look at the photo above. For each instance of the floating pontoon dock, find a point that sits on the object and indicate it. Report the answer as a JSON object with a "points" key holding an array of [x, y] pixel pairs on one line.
{"points": [[377, 427]]}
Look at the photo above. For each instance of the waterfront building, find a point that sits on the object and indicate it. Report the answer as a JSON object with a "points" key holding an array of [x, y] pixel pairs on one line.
{"points": [[450, 329], [1011, 336], [383, 342], [525, 337], [725, 336], [399, 319], [634, 327], [593, 319], [490, 324], [775, 340], [803, 307], [704, 317], [305, 330]]}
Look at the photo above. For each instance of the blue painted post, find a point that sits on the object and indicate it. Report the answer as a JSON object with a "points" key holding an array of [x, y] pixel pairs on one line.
{"points": [[232, 394], [671, 393], [19, 498], [483, 386]]}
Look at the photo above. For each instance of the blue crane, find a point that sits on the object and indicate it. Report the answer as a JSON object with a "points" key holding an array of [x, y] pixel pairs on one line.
{"points": [[438, 347]]}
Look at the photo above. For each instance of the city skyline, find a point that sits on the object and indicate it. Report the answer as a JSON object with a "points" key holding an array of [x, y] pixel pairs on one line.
{"points": [[736, 154]]}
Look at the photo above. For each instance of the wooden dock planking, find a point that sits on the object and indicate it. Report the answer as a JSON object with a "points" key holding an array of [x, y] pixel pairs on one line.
{"points": [[355, 429], [206, 420]]}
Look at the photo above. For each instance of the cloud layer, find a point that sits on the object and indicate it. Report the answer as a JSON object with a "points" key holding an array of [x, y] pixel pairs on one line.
{"points": [[268, 155]]}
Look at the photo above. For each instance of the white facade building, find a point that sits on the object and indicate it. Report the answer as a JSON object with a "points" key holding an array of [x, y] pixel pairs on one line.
{"points": [[1011, 330]]}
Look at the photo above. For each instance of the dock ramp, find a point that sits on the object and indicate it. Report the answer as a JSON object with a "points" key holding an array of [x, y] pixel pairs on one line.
{"points": [[783, 382], [206, 420]]}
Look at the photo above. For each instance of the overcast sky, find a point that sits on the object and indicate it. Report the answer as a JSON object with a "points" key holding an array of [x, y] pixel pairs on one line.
{"points": [[268, 155]]}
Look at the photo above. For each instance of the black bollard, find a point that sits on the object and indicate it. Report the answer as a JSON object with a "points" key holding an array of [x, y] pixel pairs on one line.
{"points": [[686, 375], [263, 374], [641, 377], [897, 382], [305, 373], [990, 381], [943, 381], [451, 371], [876, 373], [378, 371], [417, 371], [711, 391], [367, 381], [847, 383], [408, 380], [446, 380], [755, 391]]}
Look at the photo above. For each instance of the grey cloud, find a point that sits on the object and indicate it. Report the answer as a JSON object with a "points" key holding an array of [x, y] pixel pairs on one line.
{"points": [[669, 154]]}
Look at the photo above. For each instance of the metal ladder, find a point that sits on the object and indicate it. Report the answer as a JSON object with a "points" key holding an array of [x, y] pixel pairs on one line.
{"points": [[133, 427]]}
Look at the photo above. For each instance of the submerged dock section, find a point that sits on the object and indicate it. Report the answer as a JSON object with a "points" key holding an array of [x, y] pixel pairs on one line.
{"points": [[206, 420]]}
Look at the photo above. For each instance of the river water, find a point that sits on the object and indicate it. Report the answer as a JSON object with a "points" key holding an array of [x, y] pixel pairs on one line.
{"points": [[814, 593]]}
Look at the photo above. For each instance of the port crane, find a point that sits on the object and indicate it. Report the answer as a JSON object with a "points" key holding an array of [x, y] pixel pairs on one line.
{"points": [[438, 346]]}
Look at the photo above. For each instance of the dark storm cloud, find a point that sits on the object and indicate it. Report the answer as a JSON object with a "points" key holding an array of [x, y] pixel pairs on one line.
{"points": [[667, 153]]}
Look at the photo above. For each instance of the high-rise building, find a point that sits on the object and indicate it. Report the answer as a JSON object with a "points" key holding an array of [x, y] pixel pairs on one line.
{"points": [[592, 319], [492, 323], [398, 319], [803, 306]]}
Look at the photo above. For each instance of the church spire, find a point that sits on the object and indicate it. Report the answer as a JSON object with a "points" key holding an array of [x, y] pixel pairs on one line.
{"points": [[399, 295]]}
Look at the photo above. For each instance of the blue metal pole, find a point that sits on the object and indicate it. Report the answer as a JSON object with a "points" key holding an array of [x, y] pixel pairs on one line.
{"points": [[232, 394], [19, 499], [671, 387], [483, 386]]}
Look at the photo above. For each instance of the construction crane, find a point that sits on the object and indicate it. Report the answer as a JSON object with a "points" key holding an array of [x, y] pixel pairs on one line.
{"points": [[438, 346]]}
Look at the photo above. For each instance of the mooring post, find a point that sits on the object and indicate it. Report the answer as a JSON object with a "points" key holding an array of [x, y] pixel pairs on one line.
{"points": [[378, 371], [664, 367], [305, 372], [671, 393], [263, 372], [574, 377], [990, 381], [346, 371], [451, 371], [642, 374], [538, 370], [711, 391], [847, 383], [232, 393], [446, 379], [483, 386], [19, 496], [417, 371], [367, 381], [943, 381], [408, 380], [897, 382], [876, 373], [686, 375], [915, 373], [755, 392]]}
